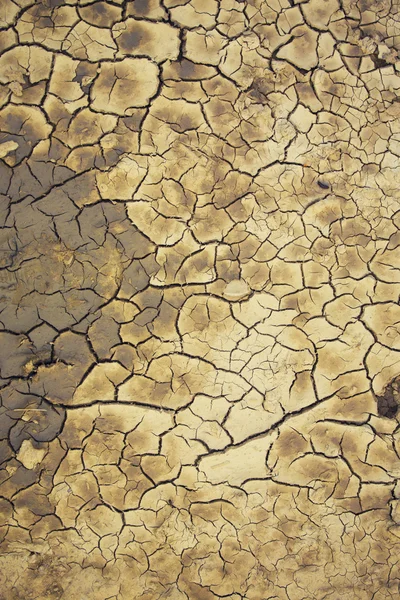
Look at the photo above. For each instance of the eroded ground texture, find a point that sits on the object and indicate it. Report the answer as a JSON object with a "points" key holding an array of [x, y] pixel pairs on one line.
{"points": [[200, 280]]}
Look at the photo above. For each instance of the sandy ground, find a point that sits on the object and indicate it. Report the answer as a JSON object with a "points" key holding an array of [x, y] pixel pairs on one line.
{"points": [[199, 300]]}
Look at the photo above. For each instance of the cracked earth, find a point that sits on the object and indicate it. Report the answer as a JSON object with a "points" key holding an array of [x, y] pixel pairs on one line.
{"points": [[199, 300]]}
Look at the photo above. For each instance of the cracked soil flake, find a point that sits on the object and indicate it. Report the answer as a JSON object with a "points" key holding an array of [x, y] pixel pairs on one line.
{"points": [[29, 456], [124, 85], [158, 41], [302, 50], [199, 300]]}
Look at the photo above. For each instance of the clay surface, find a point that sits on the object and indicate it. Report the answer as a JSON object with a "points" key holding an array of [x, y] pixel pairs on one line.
{"points": [[199, 299]]}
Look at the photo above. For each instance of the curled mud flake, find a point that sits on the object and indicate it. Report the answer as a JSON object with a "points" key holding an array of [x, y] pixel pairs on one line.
{"points": [[388, 403], [237, 289], [7, 147], [29, 455]]}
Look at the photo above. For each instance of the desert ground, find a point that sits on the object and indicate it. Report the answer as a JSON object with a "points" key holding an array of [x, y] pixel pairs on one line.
{"points": [[199, 300]]}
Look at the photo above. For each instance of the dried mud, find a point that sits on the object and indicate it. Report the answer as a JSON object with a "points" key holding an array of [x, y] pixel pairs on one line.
{"points": [[199, 299]]}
